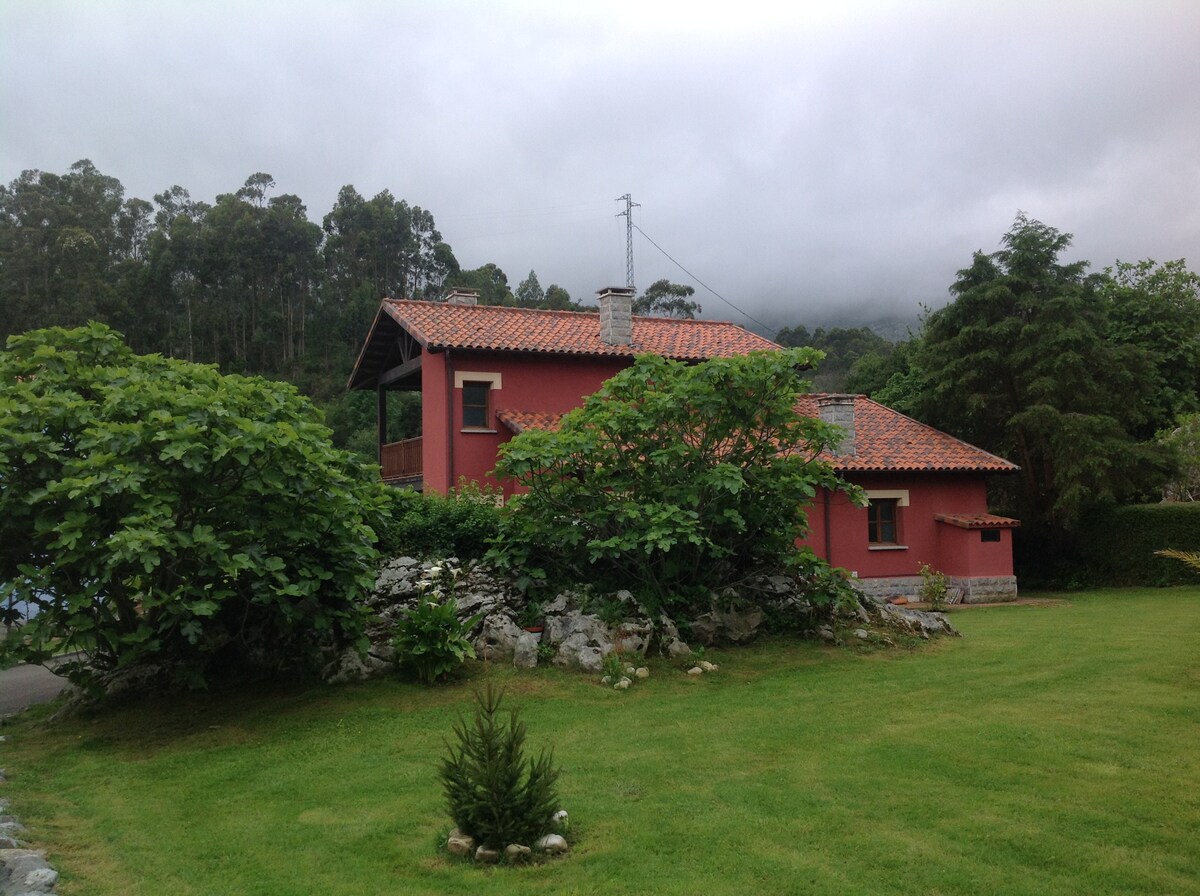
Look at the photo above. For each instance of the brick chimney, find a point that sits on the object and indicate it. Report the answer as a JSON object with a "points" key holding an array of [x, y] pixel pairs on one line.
{"points": [[460, 295], [839, 410], [616, 315]]}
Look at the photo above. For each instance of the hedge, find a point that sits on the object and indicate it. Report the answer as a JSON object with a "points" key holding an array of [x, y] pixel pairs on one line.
{"points": [[1117, 545]]}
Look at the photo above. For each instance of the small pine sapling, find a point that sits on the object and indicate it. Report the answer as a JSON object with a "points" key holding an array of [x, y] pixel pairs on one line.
{"points": [[494, 793]]}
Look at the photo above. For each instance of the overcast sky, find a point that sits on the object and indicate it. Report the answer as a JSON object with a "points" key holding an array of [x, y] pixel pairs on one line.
{"points": [[795, 157]]}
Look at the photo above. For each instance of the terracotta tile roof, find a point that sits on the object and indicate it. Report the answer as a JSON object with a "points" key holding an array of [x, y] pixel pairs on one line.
{"points": [[977, 520], [887, 440], [519, 421], [491, 327]]}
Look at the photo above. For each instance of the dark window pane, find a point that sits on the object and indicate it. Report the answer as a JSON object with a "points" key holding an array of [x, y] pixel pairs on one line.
{"points": [[882, 521], [475, 405]]}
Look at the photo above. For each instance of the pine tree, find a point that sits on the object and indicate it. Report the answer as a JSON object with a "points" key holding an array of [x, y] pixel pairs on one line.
{"points": [[494, 793]]}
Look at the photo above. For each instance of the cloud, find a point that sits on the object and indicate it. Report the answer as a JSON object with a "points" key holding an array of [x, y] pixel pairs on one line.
{"points": [[818, 156]]}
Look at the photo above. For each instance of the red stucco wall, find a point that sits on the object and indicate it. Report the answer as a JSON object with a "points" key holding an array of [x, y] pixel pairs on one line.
{"points": [[542, 383], [531, 383], [949, 549]]}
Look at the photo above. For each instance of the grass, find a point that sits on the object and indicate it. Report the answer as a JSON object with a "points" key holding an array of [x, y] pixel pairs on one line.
{"points": [[1051, 750]]}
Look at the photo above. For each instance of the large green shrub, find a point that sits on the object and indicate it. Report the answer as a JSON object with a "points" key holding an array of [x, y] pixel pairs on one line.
{"points": [[155, 511], [673, 480], [494, 793], [430, 640], [462, 524]]}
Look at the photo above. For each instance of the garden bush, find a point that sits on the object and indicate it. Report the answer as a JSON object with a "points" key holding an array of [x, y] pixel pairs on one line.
{"points": [[156, 512], [462, 524], [672, 481], [430, 639]]}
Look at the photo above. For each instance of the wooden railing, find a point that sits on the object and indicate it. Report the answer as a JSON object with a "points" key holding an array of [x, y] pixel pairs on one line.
{"points": [[401, 460]]}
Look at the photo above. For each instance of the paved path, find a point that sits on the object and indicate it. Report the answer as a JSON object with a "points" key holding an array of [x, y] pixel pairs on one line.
{"points": [[23, 686]]}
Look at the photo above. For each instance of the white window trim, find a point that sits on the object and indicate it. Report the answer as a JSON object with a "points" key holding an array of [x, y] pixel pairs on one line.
{"points": [[900, 496], [463, 376]]}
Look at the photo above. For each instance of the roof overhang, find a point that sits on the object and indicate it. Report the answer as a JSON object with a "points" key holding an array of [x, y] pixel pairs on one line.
{"points": [[977, 520], [390, 356]]}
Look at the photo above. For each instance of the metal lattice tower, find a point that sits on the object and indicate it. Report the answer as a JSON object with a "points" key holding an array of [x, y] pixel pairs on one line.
{"points": [[628, 213]]}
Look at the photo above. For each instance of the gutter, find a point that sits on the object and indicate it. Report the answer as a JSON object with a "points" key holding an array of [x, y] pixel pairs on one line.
{"points": [[828, 532], [449, 422]]}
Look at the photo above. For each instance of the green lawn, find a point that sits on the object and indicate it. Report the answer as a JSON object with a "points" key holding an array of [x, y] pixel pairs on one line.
{"points": [[1054, 749]]}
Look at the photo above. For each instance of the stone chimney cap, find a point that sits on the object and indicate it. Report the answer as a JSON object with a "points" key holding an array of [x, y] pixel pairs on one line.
{"points": [[616, 291]]}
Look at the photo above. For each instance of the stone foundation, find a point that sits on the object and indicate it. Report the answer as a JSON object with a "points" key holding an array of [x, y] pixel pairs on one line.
{"points": [[976, 590]]}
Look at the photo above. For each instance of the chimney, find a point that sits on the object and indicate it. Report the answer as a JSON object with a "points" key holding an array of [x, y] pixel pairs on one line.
{"points": [[839, 410], [616, 315], [460, 295]]}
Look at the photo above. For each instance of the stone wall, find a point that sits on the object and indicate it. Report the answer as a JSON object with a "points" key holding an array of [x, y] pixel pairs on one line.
{"points": [[978, 590]]}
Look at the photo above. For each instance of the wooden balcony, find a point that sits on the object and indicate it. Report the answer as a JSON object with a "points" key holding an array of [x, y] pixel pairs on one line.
{"points": [[401, 463]]}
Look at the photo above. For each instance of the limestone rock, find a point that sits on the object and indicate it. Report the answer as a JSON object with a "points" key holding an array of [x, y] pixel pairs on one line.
{"points": [[460, 844], [669, 640], [560, 819], [862, 634], [583, 640], [736, 626], [485, 855], [707, 666], [27, 872], [498, 638], [919, 622], [516, 854], [623, 684], [695, 670], [642, 672], [634, 635], [525, 651], [552, 843], [349, 666]]}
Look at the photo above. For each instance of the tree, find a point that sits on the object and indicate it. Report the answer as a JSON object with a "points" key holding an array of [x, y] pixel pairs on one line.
{"points": [[1019, 364], [495, 793], [529, 292], [61, 240], [491, 282], [1157, 309], [889, 378], [666, 299], [672, 480], [157, 512], [387, 243], [841, 346], [558, 299], [1182, 443]]}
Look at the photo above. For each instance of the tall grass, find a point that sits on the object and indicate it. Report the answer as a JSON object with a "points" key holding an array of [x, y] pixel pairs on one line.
{"points": [[1050, 750]]}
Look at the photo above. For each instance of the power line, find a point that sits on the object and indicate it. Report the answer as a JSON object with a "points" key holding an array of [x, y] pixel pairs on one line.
{"points": [[701, 282]]}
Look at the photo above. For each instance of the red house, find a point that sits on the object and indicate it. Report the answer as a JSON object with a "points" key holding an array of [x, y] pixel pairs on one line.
{"points": [[485, 373], [927, 504]]}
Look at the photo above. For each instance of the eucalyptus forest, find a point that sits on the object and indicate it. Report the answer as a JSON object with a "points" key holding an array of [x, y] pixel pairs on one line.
{"points": [[247, 282]]}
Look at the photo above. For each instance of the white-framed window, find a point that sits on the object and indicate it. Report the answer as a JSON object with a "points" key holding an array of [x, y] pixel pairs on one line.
{"points": [[885, 518], [476, 399]]}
